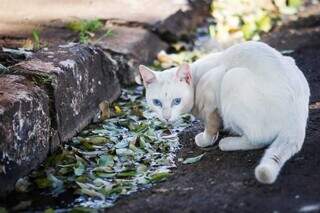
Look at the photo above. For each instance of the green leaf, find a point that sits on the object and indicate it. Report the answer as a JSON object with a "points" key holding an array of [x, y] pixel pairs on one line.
{"points": [[96, 140], [159, 176], [124, 152], [116, 190], [92, 193], [142, 142], [83, 210], [93, 25], [141, 168], [76, 26], [105, 174], [105, 160], [294, 3], [3, 69], [264, 23], [3, 210], [64, 171], [90, 190], [49, 211], [22, 185], [108, 33], [141, 128], [43, 183], [86, 145], [127, 174], [100, 182], [36, 38], [79, 168], [85, 28], [193, 159], [107, 169], [56, 184], [248, 30], [122, 144]]}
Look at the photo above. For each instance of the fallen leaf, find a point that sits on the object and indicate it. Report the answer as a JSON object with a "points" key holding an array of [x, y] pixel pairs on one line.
{"points": [[159, 176], [193, 159]]}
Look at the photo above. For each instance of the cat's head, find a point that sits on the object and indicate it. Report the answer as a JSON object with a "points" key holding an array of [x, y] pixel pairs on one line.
{"points": [[169, 93]]}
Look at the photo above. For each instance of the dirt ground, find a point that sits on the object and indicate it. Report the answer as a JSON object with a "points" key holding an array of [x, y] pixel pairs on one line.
{"points": [[224, 181]]}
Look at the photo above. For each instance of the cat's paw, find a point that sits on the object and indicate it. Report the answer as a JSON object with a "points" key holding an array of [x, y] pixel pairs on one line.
{"points": [[227, 144], [238, 143], [203, 141]]}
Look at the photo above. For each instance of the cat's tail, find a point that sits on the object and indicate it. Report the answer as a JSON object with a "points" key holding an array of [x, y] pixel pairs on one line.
{"points": [[282, 149]]}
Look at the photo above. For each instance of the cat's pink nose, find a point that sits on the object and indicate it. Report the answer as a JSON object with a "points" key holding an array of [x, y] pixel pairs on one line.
{"points": [[166, 118]]}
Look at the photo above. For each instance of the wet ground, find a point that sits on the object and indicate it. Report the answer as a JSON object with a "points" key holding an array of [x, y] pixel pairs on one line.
{"points": [[224, 181]]}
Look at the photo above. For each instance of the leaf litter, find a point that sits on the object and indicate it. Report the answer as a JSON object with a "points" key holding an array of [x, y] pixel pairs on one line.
{"points": [[130, 150]]}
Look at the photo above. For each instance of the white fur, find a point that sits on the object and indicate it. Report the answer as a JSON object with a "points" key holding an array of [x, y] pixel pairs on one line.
{"points": [[260, 95]]}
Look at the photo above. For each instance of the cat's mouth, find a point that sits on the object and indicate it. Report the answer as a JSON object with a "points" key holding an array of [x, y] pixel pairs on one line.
{"points": [[167, 122]]}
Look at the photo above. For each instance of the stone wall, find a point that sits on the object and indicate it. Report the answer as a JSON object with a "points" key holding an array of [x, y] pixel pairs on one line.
{"points": [[24, 128]]}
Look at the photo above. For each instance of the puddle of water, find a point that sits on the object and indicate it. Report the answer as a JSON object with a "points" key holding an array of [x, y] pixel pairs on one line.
{"points": [[127, 152]]}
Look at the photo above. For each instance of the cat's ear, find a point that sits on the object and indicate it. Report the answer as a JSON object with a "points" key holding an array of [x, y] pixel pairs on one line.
{"points": [[184, 73], [147, 75]]}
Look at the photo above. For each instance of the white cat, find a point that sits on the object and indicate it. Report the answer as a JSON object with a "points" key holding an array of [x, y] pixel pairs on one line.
{"points": [[250, 88]]}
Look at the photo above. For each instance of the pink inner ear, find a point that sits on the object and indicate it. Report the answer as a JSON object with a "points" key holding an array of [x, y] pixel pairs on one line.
{"points": [[188, 78], [184, 73], [147, 75]]}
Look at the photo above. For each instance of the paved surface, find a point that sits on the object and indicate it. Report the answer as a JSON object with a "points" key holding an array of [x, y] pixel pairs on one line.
{"points": [[19, 16], [23, 15], [224, 181]]}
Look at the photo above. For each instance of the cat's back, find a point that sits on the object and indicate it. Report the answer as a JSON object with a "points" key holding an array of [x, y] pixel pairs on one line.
{"points": [[252, 55], [270, 70], [264, 62]]}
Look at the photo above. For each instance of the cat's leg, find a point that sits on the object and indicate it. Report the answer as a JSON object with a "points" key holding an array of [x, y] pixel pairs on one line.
{"points": [[244, 111], [204, 139], [238, 143], [211, 132]]}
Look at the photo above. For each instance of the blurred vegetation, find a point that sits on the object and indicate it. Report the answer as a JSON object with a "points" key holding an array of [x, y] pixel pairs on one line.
{"points": [[248, 19], [36, 39], [233, 21], [87, 29], [33, 43]]}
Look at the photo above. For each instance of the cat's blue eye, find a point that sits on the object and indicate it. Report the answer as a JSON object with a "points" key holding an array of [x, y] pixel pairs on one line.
{"points": [[157, 102], [176, 101]]}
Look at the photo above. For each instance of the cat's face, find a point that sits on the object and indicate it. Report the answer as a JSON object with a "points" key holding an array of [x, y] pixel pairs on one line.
{"points": [[169, 93]]}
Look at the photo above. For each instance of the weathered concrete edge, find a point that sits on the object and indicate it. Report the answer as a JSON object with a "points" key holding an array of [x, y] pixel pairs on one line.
{"points": [[24, 129], [81, 76], [36, 67]]}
